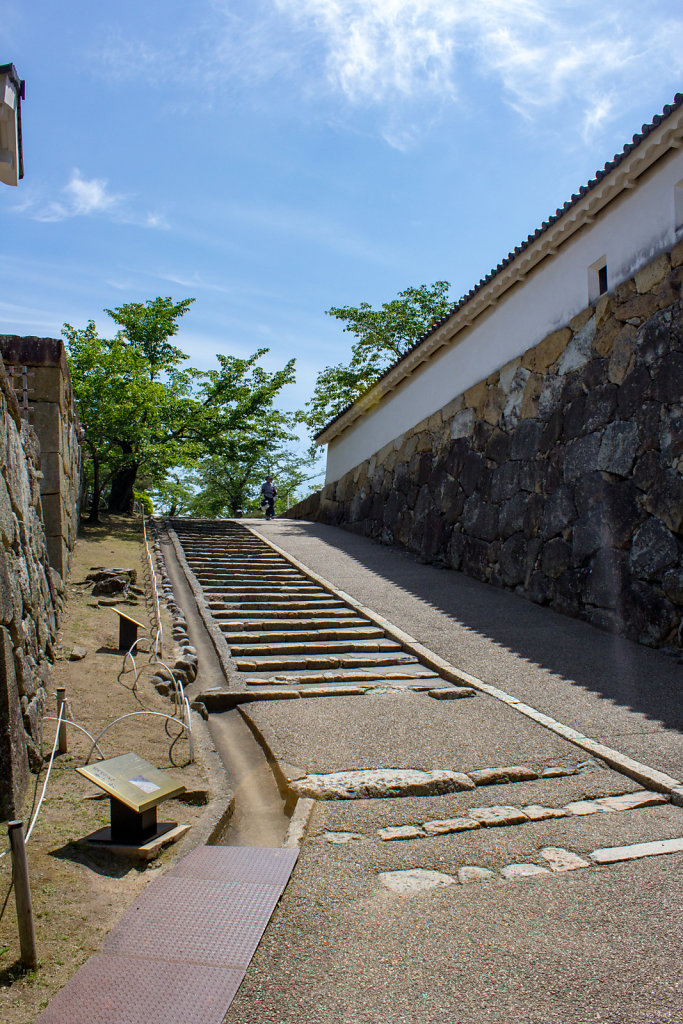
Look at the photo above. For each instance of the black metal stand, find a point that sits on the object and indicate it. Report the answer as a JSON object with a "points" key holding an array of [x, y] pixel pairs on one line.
{"points": [[128, 632]]}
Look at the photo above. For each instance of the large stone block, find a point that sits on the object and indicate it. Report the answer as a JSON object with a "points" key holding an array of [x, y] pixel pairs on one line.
{"points": [[579, 349], [513, 560], [550, 349], [609, 570], [590, 533], [46, 385], [622, 358], [581, 456], [650, 276], [559, 513], [618, 447], [665, 500], [647, 616], [46, 420], [668, 378], [654, 550], [635, 389], [13, 759], [525, 440]]}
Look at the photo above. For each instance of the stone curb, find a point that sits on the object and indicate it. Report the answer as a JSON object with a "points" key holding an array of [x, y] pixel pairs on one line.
{"points": [[214, 631], [221, 803], [299, 822], [646, 776]]}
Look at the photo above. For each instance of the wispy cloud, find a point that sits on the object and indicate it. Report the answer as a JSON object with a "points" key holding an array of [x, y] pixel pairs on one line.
{"points": [[541, 51], [86, 197], [404, 57]]}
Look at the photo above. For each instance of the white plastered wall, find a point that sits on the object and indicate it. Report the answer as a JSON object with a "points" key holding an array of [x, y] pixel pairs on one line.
{"points": [[629, 233]]}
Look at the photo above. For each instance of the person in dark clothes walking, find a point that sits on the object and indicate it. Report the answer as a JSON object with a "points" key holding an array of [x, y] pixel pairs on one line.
{"points": [[268, 492]]}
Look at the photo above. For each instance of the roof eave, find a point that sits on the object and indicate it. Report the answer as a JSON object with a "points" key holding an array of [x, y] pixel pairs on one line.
{"points": [[663, 137]]}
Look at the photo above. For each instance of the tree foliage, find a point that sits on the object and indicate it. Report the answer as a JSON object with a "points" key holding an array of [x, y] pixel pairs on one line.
{"points": [[147, 415], [382, 336]]}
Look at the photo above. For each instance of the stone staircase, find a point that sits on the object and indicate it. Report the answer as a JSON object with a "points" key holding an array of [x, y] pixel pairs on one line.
{"points": [[283, 629]]}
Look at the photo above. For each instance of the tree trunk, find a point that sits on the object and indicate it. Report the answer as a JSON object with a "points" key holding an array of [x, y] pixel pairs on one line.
{"points": [[123, 482], [94, 516]]}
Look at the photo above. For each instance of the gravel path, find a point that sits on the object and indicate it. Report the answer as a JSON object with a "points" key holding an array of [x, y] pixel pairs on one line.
{"points": [[502, 917]]}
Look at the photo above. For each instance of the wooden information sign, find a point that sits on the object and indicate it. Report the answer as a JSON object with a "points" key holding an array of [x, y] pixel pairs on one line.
{"points": [[128, 630], [135, 789]]}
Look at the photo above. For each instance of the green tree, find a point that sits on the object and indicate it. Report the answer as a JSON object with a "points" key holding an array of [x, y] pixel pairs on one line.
{"points": [[382, 336], [148, 416], [147, 326]]}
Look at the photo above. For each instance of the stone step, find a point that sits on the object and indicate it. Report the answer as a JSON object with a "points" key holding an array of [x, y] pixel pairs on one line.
{"points": [[262, 591], [293, 605], [293, 662], [224, 612], [317, 647], [265, 624], [209, 561], [272, 636], [256, 579], [376, 677]]}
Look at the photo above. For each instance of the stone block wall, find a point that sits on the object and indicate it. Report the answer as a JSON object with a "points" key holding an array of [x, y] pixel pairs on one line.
{"points": [[30, 600], [39, 373], [560, 476]]}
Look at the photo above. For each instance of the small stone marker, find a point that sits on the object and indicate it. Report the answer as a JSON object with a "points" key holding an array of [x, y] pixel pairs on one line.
{"points": [[452, 693], [469, 873], [494, 816], [444, 826], [512, 773], [631, 801], [416, 880], [341, 837], [536, 812], [562, 860], [581, 807], [400, 832], [514, 871]]}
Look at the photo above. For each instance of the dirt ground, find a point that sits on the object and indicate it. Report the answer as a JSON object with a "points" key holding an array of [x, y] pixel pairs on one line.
{"points": [[79, 892]]}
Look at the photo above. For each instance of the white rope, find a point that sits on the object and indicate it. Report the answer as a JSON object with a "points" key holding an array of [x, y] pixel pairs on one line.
{"points": [[47, 777]]}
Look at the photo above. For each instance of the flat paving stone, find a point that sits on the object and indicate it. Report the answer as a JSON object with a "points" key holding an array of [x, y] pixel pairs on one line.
{"points": [[416, 880], [384, 783], [514, 871], [636, 850], [471, 873], [560, 860]]}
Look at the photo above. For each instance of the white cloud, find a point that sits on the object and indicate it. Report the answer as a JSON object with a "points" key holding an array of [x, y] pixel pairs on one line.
{"points": [[83, 197], [402, 57], [377, 49]]}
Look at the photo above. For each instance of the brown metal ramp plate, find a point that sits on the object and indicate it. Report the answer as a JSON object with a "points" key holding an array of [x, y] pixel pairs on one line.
{"points": [[181, 950]]}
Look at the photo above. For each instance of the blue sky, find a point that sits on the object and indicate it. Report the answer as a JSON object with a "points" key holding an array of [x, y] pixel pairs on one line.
{"points": [[273, 158]]}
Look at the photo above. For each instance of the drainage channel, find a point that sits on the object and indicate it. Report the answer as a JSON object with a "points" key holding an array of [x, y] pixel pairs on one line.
{"points": [[258, 818]]}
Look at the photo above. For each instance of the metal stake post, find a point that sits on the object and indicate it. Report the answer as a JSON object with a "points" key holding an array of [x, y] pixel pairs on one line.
{"points": [[22, 895], [62, 745]]}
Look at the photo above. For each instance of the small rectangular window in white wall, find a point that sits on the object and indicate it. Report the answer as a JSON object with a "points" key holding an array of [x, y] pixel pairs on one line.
{"points": [[597, 279]]}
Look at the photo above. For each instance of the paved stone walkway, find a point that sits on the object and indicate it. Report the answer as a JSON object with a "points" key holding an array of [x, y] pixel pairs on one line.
{"points": [[464, 863]]}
